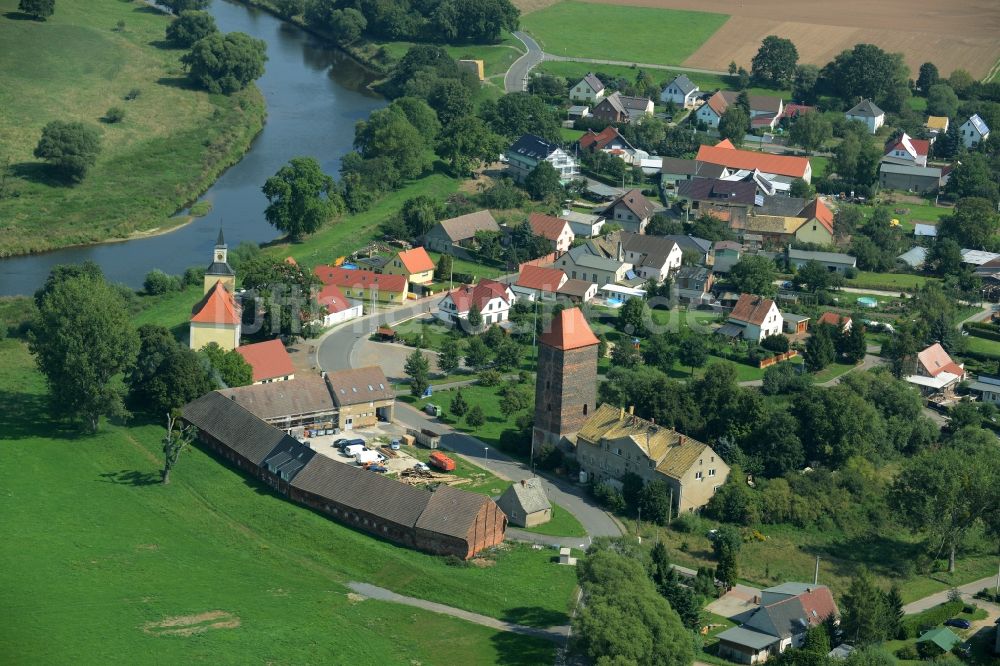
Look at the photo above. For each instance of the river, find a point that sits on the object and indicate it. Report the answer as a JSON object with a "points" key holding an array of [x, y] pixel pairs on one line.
{"points": [[315, 95]]}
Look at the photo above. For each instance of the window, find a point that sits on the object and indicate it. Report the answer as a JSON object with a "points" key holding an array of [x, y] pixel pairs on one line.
{"points": [[711, 472], [585, 409], [697, 476], [618, 451]]}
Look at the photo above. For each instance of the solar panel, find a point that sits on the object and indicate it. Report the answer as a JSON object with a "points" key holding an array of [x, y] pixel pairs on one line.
{"points": [[758, 199]]}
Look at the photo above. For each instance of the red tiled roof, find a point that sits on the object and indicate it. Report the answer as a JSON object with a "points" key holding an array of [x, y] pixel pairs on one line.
{"points": [[718, 103], [547, 226], [796, 110], [268, 359], [818, 604], [817, 210], [920, 146], [542, 279], [636, 202], [416, 260], [569, 330], [466, 296], [216, 307], [751, 309], [360, 279], [725, 154], [935, 360], [332, 298], [834, 319], [600, 140]]}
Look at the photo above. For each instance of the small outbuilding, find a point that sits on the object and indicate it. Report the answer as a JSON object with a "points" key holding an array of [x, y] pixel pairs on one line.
{"points": [[525, 503]]}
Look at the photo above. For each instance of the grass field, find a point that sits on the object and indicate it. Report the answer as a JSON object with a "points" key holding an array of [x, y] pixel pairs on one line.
{"points": [[99, 557], [170, 147], [656, 36], [983, 346], [887, 281], [562, 524], [497, 58]]}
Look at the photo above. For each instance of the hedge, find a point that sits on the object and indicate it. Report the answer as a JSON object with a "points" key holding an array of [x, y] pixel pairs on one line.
{"points": [[912, 625], [982, 330]]}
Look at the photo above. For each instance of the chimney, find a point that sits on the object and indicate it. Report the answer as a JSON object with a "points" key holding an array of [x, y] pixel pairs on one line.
{"points": [[523, 483], [680, 440], [621, 414], [631, 410], [621, 252]]}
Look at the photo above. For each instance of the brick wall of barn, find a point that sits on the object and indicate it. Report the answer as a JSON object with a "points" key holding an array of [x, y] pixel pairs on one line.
{"points": [[360, 520]]}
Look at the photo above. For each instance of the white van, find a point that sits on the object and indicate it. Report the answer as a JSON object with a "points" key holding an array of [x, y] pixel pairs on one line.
{"points": [[354, 449], [365, 457]]}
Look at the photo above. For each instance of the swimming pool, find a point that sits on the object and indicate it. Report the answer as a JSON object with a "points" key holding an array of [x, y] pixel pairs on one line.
{"points": [[868, 301]]}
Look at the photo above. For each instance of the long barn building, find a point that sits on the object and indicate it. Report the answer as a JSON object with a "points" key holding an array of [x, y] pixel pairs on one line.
{"points": [[446, 521]]}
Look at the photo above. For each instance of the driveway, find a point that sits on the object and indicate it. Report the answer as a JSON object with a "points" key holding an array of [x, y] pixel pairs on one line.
{"points": [[739, 600], [595, 520], [937, 598], [516, 78]]}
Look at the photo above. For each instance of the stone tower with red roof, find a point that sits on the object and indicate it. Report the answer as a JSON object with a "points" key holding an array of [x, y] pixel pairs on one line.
{"points": [[566, 381]]}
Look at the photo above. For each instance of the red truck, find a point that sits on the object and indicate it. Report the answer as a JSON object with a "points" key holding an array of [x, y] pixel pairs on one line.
{"points": [[442, 462]]}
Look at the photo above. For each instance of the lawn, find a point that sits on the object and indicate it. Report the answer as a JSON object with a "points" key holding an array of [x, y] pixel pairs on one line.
{"points": [[983, 346], [657, 36], [832, 371], [570, 135], [497, 58], [476, 270], [99, 556], [819, 165], [926, 213], [562, 524], [487, 399], [887, 281], [172, 144]]}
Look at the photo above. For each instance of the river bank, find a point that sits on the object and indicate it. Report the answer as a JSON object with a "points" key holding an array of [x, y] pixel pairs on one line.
{"points": [[172, 145]]}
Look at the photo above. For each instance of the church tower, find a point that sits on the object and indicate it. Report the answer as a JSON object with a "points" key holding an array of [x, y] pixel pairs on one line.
{"points": [[220, 270], [566, 380]]}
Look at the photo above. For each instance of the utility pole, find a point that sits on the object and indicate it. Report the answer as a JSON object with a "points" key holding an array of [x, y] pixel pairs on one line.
{"points": [[816, 572]]}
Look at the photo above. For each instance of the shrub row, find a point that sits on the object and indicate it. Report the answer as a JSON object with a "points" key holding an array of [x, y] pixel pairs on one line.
{"points": [[982, 330], [914, 624]]}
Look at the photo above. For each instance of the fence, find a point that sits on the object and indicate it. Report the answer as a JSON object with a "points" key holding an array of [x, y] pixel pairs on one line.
{"points": [[777, 358]]}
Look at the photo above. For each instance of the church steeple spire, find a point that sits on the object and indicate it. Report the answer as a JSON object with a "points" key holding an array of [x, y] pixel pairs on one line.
{"points": [[219, 269], [221, 241]]}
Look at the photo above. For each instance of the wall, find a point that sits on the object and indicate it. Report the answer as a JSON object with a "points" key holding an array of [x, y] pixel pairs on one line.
{"points": [[363, 415], [565, 391], [227, 337]]}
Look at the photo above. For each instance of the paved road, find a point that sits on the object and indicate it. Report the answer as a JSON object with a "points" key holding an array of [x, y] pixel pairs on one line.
{"points": [[516, 78], [574, 499], [557, 634], [932, 600], [336, 349]]}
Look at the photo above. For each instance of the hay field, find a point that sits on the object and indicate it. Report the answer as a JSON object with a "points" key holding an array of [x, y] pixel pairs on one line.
{"points": [[950, 33]]}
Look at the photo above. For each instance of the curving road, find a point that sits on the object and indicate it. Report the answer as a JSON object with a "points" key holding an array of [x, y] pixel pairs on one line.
{"points": [[516, 78]]}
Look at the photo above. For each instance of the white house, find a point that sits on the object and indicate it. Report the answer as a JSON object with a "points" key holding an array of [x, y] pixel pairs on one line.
{"points": [[681, 91], [632, 210], [538, 283], [754, 318], [529, 150], [907, 151], [556, 230], [334, 308], [865, 111], [973, 131], [588, 89], [765, 110], [652, 257], [493, 300]]}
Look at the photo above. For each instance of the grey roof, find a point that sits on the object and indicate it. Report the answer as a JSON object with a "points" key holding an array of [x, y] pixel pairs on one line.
{"points": [[576, 287], [288, 459], [220, 240], [783, 618], [909, 170], [692, 243], [359, 385], [925, 230], [615, 102], [727, 245], [533, 146], [914, 257], [594, 82], [655, 249], [577, 110], [745, 637], [451, 511], [464, 227], [678, 166], [781, 205], [529, 494], [842, 651], [795, 319], [684, 83], [636, 202], [792, 589], [219, 268], [866, 108], [274, 400], [979, 124], [365, 491], [985, 383], [691, 273], [712, 189], [587, 260], [235, 427], [822, 257]]}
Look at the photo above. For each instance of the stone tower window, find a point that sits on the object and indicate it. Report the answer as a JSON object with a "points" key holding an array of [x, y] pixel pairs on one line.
{"points": [[584, 409]]}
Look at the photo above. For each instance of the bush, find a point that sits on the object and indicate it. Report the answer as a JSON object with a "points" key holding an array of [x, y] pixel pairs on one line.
{"points": [[776, 343], [690, 523], [913, 624], [157, 282], [490, 378], [115, 114], [132, 94], [609, 497], [194, 275], [851, 273], [907, 653]]}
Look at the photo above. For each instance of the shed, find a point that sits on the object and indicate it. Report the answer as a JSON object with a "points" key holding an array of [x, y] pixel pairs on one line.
{"points": [[525, 503], [942, 637], [929, 230], [794, 323]]}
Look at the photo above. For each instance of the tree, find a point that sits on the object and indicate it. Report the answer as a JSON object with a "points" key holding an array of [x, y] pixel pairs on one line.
{"points": [[286, 294], [625, 355], [301, 198], [742, 79], [388, 133], [157, 282], [853, 345], [632, 317], [166, 375], [178, 6], [543, 182], [856, 159], [40, 9], [815, 277], [927, 77], [960, 81], [734, 124], [82, 339], [477, 354], [804, 84], [290, 8], [190, 27], [347, 25], [754, 274], [518, 113], [866, 71], [811, 131], [945, 492], [467, 144], [894, 611], [942, 101], [459, 407], [774, 64], [944, 256], [513, 400], [230, 369], [70, 147], [864, 617], [450, 356], [226, 63], [475, 418], [418, 369], [177, 438], [443, 270], [654, 502], [973, 223], [475, 318], [693, 352], [777, 442], [820, 351], [727, 547]]}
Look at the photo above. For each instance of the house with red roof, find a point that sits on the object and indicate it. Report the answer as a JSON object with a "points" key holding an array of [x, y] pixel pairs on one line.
{"points": [[538, 283], [907, 151], [765, 110], [493, 300], [840, 322], [780, 168], [556, 230], [335, 307], [608, 139], [269, 360], [936, 371], [217, 318], [415, 264], [754, 318], [363, 285], [818, 225]]}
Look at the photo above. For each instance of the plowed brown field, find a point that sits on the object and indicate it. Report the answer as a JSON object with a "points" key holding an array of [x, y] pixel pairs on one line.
{"points": [[950, 33]]}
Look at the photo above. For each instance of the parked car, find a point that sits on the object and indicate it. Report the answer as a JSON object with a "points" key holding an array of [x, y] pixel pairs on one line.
{"points": [[394, 445], [378, 469], [352, 450], [366, 457], [958, 622], [422, 467], [344, 443]]}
